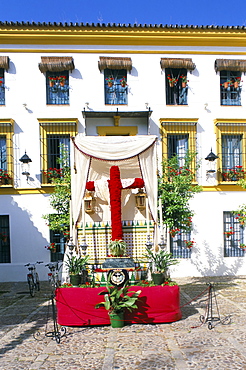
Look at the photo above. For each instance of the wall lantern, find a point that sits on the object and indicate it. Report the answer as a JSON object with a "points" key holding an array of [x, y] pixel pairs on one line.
{"points": [[89, 202], [25, 165], [140, 199], [211, 158]]}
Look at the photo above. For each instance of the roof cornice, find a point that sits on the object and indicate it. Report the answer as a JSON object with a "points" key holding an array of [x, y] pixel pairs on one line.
{"points": [[20, 33]]}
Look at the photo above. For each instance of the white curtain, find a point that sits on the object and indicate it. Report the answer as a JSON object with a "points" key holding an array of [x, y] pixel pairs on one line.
{"points": [[94, 155]]}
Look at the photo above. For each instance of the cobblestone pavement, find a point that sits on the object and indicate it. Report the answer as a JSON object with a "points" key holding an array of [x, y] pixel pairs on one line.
{"points": [[185, 344]]}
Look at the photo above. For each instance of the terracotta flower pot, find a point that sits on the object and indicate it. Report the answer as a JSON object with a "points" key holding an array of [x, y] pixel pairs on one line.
{"points": [[110, 84], [171, 84], [226, 85], [52, 83], [236, 84], [184, 84], [62, 83]]}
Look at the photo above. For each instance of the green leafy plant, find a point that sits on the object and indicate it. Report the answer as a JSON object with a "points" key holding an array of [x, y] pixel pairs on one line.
{"points": [[117, 299], [59, 221], [240, 214], [176, 188], [117, 248], [76, 264], [160, 261]]}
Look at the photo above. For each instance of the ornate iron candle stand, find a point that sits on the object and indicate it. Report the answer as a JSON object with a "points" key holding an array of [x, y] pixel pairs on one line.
{"points": [[209, 315]]}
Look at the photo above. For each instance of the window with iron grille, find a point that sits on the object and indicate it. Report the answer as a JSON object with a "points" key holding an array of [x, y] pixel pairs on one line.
{"points": [[231, 149], [176, 89], [231, 157], [115, 86], [57, 88], [60, 240], [179, 245], [55, 146], [230, 90], [2, 87], [233, 236], [179, 137], [6, 152], [4, 239], [177, 145]]}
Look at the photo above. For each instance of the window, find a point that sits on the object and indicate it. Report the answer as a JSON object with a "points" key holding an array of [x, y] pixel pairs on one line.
{"points": [[233, 236], [230, 90], [115, 78], [2, 87], [60, 240], [115, 86], [176, 89], [231, 145], [57, 87], [4, 240], [176, 79], [55, 139], [6, 152], [178, 136], [178, 245]]}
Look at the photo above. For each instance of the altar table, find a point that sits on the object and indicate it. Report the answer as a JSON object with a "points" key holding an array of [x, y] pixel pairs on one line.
{"points": [[156, 304]]}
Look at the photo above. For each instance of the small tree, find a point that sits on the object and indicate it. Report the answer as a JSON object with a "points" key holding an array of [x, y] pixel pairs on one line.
{"points": [[176, 188], [60, 198]]}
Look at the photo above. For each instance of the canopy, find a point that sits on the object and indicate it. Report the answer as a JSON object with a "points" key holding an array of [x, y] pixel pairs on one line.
{"points": [[94, 155]]}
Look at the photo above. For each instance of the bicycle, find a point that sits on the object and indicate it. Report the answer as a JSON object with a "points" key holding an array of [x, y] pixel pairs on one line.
{"points": [[33, 278]]}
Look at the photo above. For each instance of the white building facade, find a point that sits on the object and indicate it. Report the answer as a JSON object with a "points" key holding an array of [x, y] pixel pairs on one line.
{"points": [[36, 118]]}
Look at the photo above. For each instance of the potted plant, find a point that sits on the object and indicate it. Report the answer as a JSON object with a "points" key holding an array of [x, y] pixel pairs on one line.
{"points": [[233, 174], [184, 80], [123, 82], [62, 80], [237, 82], [229, 233], [159, 263], [76, 267], [52, 81], [4, 177], [51, 247], [116, 302], [227, 84], [110, 81], [172, 80], [189, 243], [117, 248]]}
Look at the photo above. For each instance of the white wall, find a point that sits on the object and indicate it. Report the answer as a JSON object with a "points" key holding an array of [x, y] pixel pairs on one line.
{"points": [[25, 84]]}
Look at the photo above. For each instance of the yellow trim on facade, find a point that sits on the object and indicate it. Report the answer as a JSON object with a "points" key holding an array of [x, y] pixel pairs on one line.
{"points": [[9, 190], [223, 187], [117, 130], [118, 51], [85, 35]]}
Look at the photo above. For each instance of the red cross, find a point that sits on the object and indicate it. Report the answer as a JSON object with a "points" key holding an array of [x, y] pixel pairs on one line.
{"points": [[115, 187]]}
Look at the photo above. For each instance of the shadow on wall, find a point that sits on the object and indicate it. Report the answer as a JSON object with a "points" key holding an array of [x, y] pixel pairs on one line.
{"points": [[26, 241], [209, 264]]}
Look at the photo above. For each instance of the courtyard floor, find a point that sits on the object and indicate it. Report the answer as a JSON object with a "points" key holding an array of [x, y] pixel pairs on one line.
{"points": [[183, 345]]}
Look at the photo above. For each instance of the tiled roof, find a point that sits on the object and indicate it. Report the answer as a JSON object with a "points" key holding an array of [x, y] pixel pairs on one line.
{"points": [[113, 25]]}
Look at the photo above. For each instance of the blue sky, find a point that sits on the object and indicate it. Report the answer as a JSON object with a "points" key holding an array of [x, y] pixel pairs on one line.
{"points": [[186, 12]]}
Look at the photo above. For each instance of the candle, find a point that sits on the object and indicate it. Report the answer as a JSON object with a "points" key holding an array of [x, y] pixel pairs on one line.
{"points": [[147, 215], [161, 220]]}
